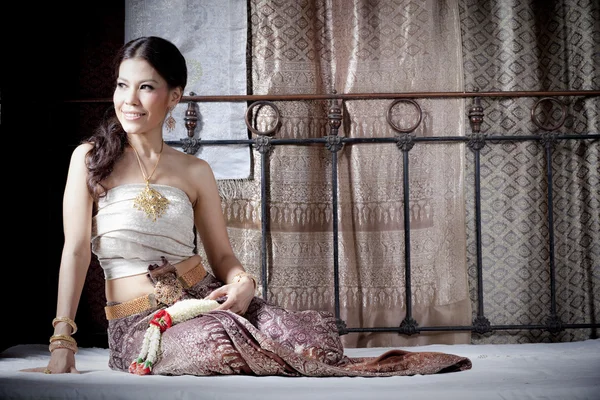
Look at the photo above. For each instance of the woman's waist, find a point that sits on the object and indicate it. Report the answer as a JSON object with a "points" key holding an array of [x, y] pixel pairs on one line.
{"points": [[120, 290]]}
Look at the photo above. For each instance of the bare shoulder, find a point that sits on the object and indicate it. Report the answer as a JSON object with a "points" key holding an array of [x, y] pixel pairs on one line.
{"points": [[204, 185], [197, 168], [82, 149], [80, 152], [201, 168], [190, 173]]}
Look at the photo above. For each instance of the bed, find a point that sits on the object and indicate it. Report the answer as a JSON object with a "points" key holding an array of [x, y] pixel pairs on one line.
{"points": [[565, 371]]}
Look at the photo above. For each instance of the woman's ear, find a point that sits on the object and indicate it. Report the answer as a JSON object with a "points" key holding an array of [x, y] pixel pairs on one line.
{"points": [[176, 95]]}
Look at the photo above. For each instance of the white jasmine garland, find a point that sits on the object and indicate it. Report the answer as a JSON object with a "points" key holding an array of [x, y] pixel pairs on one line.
{"points": [[190, 308]]}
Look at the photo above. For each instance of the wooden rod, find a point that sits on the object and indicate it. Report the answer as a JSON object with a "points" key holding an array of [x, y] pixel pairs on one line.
{"points": [[368, 96]]}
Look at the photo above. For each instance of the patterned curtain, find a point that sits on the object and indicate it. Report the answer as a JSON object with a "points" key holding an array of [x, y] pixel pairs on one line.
{"points": [[360, 47], [535, 45]]}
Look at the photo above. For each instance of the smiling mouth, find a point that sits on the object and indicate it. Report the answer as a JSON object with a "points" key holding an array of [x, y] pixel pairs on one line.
{"points": [[132, 115]]}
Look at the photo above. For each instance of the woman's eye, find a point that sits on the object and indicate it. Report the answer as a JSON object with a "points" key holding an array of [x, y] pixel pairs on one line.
{"points": [[147, 87], [121, 85]]}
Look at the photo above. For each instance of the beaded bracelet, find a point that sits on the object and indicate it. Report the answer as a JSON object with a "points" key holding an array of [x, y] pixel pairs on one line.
{"points": [[62, 344], [238, 277], [67, 338], [68, 321]]}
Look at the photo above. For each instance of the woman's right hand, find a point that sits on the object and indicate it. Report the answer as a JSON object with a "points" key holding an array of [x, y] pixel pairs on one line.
{"points": [[62, 361]]}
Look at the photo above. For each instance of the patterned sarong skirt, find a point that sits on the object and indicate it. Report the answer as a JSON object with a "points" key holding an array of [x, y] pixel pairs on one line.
{"points": [[267, 340]]}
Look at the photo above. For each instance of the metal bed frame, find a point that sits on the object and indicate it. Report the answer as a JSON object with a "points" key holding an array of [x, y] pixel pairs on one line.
{"points": [[404, 140]]}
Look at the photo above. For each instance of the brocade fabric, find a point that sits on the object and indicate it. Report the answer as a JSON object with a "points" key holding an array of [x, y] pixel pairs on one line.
{"points": [[359, 46], [268, 340], [535, 46], [126, 241]]}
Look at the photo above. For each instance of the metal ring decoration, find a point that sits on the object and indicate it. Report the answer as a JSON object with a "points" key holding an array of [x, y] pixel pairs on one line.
{"points": [[249, 112], [563, 110], [404, 130]]}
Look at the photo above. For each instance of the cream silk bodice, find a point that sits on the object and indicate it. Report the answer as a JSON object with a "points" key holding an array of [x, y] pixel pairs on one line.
{"points": [[126, 241]]}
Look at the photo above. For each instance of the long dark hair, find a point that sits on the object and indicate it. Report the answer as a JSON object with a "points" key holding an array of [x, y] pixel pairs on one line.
{"points": [[109, 139]]}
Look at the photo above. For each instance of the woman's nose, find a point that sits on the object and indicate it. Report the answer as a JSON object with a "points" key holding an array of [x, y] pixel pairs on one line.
{"points": [[131, 97]]}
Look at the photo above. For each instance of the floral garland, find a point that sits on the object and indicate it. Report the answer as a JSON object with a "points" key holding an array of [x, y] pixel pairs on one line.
{"points": [[161, 321]]}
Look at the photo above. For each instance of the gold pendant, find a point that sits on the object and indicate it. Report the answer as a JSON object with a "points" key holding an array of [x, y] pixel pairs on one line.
{"points": [[152, 202]]}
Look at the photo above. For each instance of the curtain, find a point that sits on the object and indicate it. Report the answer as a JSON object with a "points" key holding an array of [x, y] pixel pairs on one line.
{"points": [[535, 45], [360, 47]]}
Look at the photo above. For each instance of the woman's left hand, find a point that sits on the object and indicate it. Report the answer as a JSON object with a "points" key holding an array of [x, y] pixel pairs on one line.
{"points": [[238, 294]]}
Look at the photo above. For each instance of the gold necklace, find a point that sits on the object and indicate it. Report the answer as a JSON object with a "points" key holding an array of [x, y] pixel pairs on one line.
{"points": [[150, 200]]}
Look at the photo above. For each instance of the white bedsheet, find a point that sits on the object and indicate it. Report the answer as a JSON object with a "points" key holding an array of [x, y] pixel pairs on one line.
{"points": [[565, 371]]}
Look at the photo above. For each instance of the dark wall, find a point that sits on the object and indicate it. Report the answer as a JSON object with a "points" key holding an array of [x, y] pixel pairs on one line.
{"points": [[62, 51]]}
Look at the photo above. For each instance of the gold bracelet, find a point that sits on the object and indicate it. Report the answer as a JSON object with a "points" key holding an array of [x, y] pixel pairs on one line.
{"points": [[68, 321], [61, 344], [67, 338], [238, 277]]}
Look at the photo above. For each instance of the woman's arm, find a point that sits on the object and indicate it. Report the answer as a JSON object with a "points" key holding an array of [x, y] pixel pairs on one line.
{"points": [[76, 254], [212, 229]]}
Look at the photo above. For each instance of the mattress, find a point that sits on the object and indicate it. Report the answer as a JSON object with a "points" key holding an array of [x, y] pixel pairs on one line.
{"points": [[565, 371]]}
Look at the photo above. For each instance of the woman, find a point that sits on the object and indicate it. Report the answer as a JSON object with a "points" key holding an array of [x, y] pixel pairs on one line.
{"points": [[141, 204]]}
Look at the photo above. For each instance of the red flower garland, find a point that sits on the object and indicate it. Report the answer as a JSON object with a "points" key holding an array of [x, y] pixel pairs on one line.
{"points": [[140, 367], [162, 319]]}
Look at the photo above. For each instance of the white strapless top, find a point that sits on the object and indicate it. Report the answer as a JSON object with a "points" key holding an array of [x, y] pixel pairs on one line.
{"points": [[126, 241]]}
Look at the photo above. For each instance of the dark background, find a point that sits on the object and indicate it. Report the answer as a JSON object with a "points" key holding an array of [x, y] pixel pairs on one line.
{"points": [[58, 52]]}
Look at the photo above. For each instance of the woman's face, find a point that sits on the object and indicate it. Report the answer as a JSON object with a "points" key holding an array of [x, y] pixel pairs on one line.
{"points": [[142, 97]]}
